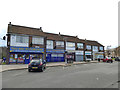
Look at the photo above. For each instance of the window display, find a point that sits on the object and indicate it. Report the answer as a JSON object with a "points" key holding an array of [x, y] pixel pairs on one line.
{"points": [[36, 56], [21, 58], [13, 58]]}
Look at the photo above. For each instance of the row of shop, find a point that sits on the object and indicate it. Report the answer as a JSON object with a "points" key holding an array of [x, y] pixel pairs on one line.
{"points": [[25, 55]]}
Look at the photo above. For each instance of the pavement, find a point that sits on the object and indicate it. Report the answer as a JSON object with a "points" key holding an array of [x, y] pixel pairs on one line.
{"points": [[25, 66]]}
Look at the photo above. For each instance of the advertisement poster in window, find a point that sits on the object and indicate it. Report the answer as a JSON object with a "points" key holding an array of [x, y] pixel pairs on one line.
{"points": [[21, 57], [13, 59]]}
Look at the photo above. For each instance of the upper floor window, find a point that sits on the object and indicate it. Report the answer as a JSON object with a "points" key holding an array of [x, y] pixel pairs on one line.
{"points": [[101, 48], [95, 48], [59, 44], [22, 39], [70, 46], [49, 44], [80, 45], [37, 40], [19, 40], [88, 47]]}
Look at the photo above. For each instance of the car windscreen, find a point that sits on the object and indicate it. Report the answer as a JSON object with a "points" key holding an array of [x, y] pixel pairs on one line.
{"points": [[35, 61]]}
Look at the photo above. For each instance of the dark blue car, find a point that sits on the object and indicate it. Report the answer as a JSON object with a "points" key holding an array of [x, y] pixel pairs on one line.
{"points": [[37, 65]]}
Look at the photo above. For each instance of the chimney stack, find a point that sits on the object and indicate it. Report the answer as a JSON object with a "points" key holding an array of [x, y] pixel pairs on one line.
{"points": [[41, 29], [10, 23]]}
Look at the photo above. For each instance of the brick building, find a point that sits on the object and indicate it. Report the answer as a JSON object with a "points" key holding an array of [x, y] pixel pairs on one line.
{"points": [[24, 43], [114, 52]]}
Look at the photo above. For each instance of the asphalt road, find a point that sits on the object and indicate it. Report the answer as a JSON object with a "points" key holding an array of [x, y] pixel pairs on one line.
{"points": [[94, 75]]}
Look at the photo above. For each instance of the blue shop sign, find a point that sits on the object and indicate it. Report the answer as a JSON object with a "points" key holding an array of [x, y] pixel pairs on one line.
{"points": [[55, 51], [26, 49]]}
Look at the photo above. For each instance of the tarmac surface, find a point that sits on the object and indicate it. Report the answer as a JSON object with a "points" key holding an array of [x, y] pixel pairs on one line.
{"points": [[92, 75]]}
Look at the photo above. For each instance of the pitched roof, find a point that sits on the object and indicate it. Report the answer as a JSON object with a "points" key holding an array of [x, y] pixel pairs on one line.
{"points": [[17, 29]]}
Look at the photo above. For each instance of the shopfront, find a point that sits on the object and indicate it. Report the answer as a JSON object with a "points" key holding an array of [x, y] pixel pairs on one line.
{"points": [[79, 56], [55, 55], [98, 55], [24, 54], [88, 55]]}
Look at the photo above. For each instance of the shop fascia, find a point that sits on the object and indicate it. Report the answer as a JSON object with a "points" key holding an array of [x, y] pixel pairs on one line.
{"points": [[75, 51]]}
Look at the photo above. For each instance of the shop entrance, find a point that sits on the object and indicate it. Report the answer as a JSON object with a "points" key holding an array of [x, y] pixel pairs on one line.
{"points": [[48, 57], [27, 59], [55, 57], [23, 58]]}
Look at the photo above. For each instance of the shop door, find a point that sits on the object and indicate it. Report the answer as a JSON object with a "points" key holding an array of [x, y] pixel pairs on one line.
{"points": [[27, 59], [48, 57], [77, 58], [81, 57], [54, 58], [60, 58]]}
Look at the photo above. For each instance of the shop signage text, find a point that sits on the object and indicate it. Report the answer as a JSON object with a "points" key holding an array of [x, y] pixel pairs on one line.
{"points": [[26, 49], [55, 51]]}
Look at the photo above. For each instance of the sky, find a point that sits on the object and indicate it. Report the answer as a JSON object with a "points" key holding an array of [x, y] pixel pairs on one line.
{"points": [[91, 19]]}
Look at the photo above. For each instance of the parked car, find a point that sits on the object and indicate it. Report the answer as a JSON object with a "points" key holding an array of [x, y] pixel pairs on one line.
{"points": [[108, 60], [117, 59], [37, 64]]}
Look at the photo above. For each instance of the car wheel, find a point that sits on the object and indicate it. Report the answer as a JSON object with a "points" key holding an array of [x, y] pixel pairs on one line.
{"points": [[42, 69], [111, 61], [29, 70]]}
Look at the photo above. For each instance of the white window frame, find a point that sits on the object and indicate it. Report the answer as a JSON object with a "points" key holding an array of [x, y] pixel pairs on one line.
{"points": [[72, 47], [49, 45], [88, 46], [80, 45], [101, 48], [23, 39], [19, 40], [59, 43], [95, 48], [37, 40]]}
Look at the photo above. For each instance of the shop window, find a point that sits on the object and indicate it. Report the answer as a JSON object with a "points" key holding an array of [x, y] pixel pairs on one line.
{"points": [[60, 55], [13, 58], [37, 40], [21, 58], [59, 44], [27, 56], [54, 55], [36, 56], [88, 56], [80, 45]]}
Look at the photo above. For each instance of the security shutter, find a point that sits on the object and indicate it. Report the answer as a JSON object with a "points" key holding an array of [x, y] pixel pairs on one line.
{"points": [[79, 58]]}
